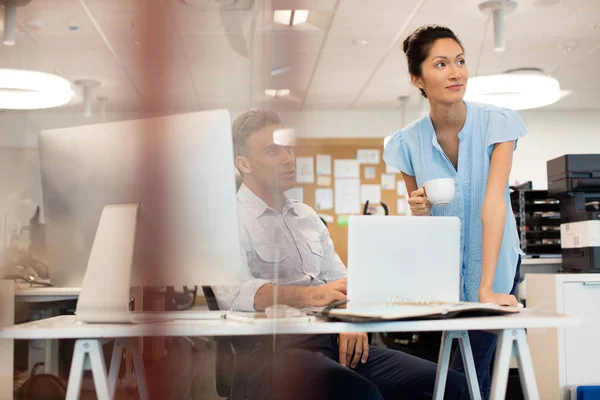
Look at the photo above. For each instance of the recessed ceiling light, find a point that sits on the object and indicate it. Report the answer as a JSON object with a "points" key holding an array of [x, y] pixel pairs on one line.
{"points": [[290, 17], [30, 90], [279, 71], [360, 42], [545, 3], [275, 93]]}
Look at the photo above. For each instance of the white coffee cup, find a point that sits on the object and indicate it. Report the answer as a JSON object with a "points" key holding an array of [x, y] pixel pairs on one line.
{"points": [[439, 192]]}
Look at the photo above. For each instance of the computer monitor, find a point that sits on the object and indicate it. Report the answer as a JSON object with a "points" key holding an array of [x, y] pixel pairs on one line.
{"points": [[178, 168]]}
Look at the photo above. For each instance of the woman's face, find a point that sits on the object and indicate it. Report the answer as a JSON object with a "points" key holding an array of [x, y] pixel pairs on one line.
{"points": [[444, 73]]}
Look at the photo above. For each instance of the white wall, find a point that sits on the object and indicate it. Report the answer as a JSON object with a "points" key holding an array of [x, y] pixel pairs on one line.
{"points": [[20, 185], [551, 134]]}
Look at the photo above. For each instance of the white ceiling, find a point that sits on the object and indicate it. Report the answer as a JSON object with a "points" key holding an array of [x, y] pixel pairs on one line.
{"points": [[173, 56]]}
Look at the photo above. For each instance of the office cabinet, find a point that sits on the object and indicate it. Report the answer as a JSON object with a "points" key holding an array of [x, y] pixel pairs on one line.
{"points": [[568, 356]]}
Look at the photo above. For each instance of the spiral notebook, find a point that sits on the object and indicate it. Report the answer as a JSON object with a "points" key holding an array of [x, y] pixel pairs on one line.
{"points": [[414, 311]]}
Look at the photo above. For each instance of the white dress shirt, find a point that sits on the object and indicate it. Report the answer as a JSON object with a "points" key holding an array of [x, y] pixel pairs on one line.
{"points": [[291, 248]]}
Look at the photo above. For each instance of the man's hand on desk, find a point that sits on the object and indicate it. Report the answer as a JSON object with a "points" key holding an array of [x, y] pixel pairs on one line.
{"points": [[353, 348], [321, 296], [301, 296]]}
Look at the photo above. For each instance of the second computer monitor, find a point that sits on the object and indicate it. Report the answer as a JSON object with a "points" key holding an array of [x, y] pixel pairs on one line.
{"points": [[179, 168]]}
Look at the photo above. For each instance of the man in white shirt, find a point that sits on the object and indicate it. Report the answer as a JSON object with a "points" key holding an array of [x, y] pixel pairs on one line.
{"points": [[291, 258]]}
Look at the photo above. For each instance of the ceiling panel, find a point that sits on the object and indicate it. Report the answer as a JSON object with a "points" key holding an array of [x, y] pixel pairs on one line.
{"points": [[54, 17], [463, 24], [203, 54], [368, 19], [190, 22], [340, 75], [315, 5], [286, 40], [118, 6], [292, 69], [390, 82], [25, 54], [152, 83], [85, 60]]}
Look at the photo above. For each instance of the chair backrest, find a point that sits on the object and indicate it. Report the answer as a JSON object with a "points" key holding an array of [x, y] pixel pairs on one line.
{"points": [[211, 299]]}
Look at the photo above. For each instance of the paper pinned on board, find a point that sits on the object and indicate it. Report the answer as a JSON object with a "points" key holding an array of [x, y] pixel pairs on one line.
{"points": [[401, 207], [305, 170], [347, 196], [401, 189], [324, 180], [370, 173], [368, 156], [323, 164], [372, 193], [324, 199], [388, 181], [346, 169]]}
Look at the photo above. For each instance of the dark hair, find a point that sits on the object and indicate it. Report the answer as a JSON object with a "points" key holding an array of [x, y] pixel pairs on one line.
{"points": [[246, 124], [417, 45]]}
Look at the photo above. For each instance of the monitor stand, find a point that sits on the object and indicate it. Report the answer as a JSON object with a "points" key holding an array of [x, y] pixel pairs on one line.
{"points": [[105, 290]]}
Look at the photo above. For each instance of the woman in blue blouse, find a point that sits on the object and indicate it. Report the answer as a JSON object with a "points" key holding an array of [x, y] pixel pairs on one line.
{"points": [[474, 144]]}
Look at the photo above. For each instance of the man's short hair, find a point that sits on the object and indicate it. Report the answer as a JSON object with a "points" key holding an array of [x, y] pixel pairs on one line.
{"points": [[248, 123]]}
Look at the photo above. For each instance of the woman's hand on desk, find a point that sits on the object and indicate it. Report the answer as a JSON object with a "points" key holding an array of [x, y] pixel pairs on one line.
{"points": [[501, 299], [321, 296], [419, 205]]}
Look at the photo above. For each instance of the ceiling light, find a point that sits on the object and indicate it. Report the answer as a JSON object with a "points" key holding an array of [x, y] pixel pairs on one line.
{"points": [[360, 42], [519, 89], [30, 90], [545, 3], [275, 93], [290, 17], [10, 20], [279, 71], [498, 8]]}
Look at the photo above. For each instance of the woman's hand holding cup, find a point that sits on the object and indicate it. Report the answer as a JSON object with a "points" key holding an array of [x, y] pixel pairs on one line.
{"points": [[419, 205]]}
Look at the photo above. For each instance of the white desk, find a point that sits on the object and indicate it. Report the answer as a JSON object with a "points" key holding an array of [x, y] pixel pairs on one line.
{"points": [[28, 294], [24, 293], [510, 330]]}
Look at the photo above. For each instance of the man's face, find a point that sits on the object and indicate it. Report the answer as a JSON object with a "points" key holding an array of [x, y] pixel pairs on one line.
{"points": [[270, 164]]}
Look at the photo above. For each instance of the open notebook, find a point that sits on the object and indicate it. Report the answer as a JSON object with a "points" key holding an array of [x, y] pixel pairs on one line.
{"points": [[414, 311]]}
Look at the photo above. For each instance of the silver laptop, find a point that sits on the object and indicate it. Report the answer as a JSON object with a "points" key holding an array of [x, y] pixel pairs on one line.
{"points": [[395, 259]]}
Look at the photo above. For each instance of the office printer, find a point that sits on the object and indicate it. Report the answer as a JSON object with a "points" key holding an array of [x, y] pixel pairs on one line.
{"points": [[574, 179]]}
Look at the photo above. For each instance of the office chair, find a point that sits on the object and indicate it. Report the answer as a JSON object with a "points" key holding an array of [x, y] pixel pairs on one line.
{"points": [[232, 358]]}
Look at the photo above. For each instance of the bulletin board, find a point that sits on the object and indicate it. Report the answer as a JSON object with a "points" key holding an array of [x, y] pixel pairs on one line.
{"points": [[347, 149]]}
